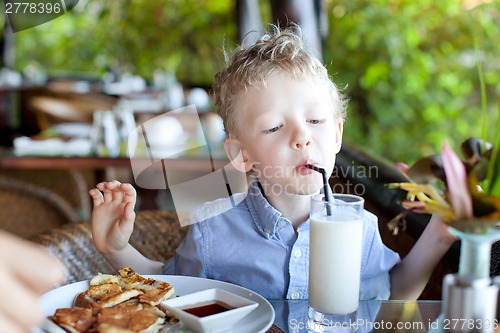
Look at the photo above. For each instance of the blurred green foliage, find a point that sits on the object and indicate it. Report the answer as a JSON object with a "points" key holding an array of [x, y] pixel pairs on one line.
{"points": [[408, 66], [136, 36]]}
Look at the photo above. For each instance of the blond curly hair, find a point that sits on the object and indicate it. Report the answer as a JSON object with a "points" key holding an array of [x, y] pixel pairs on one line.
{"points": [[278, 51]]}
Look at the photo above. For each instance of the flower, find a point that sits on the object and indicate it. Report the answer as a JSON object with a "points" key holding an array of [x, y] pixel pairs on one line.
{"points": [[465, 193]]}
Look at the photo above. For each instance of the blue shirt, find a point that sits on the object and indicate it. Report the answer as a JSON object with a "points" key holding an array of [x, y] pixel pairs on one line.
{"points": [[246, 241]]}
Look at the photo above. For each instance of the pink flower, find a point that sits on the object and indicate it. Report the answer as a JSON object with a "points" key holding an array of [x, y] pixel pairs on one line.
{"points": [[456, 180], [403, 167]]}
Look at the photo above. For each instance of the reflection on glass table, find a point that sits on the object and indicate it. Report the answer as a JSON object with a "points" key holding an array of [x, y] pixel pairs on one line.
{"points": [[372, 316]]}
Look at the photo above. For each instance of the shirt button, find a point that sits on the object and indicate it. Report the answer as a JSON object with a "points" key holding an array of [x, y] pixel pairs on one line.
{"points": [[297, 253], [295, 295], [267, 230], [281, 224]]}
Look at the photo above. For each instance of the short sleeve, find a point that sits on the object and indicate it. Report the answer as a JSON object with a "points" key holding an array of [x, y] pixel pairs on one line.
{"points": [[189, 257], [377, 262]]}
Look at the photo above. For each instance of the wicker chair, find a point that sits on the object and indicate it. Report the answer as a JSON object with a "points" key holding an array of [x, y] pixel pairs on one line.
{"points": [[70, 184], [156, 235], [27, 209]]}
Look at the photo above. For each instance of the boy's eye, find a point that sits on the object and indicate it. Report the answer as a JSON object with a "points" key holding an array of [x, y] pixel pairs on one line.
{"points": [[272, 130], [316, 121]]}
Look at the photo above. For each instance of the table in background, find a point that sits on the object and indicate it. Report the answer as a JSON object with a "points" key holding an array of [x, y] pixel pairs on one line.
{"points": [[374, 316], [197, 165], [9, 160]]}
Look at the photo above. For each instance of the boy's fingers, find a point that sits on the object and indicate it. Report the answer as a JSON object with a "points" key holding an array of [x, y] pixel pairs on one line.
{"points": [[129, 212], [96, 196], [114, 191], [107, 194], [129, 192], [101, 186], [113, 184], [128, 188], [118, 194]]}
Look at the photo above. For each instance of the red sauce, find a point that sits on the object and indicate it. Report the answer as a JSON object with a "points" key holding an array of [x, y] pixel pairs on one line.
{"points": [[208, 310]]}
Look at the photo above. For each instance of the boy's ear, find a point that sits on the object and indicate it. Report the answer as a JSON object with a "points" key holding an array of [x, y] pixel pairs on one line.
{"points": [[239, 161], [338, 137]]}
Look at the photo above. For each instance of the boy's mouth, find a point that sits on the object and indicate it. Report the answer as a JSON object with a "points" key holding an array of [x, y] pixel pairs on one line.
{"points": [[303, 169]]}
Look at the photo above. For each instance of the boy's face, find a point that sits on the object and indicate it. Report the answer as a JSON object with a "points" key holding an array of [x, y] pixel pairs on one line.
{"points": [[284, 125]]}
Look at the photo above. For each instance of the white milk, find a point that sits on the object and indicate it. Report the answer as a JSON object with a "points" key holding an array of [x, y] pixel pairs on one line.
{"points": [[335, 262]]}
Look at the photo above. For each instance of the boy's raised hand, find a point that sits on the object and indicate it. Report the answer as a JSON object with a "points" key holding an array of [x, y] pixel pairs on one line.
{"points": [[113, 216], [440, 228]]}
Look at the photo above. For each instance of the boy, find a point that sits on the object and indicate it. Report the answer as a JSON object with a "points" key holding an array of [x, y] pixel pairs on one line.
{"points": [[281, 111]]}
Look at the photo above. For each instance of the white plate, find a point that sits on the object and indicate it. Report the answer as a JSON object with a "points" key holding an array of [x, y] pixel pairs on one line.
{"points": [[258, 320]]}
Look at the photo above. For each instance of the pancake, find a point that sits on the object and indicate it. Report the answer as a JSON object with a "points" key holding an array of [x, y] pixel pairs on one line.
{"points": [[74, 320], [123, 303], [129, 318]]}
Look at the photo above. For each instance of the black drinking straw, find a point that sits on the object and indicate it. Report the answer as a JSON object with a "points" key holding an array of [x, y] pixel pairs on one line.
{"points": [[325, 186]]}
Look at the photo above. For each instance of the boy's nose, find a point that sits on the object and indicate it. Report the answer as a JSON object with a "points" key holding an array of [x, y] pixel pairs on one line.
{"points": [[301, 137], [302, 142]]}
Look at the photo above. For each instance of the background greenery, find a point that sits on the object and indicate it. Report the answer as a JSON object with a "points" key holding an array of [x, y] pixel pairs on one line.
{"points": [[408, 66], [410, 70]]}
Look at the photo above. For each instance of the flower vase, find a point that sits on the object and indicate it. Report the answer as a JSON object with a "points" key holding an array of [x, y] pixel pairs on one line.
{"points": [[469, 296]]}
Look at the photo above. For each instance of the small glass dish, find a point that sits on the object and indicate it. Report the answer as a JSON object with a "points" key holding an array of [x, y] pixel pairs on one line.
{"points": [[211, 310]]}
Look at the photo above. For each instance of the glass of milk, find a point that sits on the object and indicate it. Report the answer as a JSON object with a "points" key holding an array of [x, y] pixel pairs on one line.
{"points": [[335, 262]]}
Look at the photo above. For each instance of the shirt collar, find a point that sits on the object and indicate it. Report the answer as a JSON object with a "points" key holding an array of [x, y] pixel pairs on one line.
{"points": [[264, 215]]}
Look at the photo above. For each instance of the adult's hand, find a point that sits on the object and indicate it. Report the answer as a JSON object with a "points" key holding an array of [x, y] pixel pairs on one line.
{"points": [[26, 271]]}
